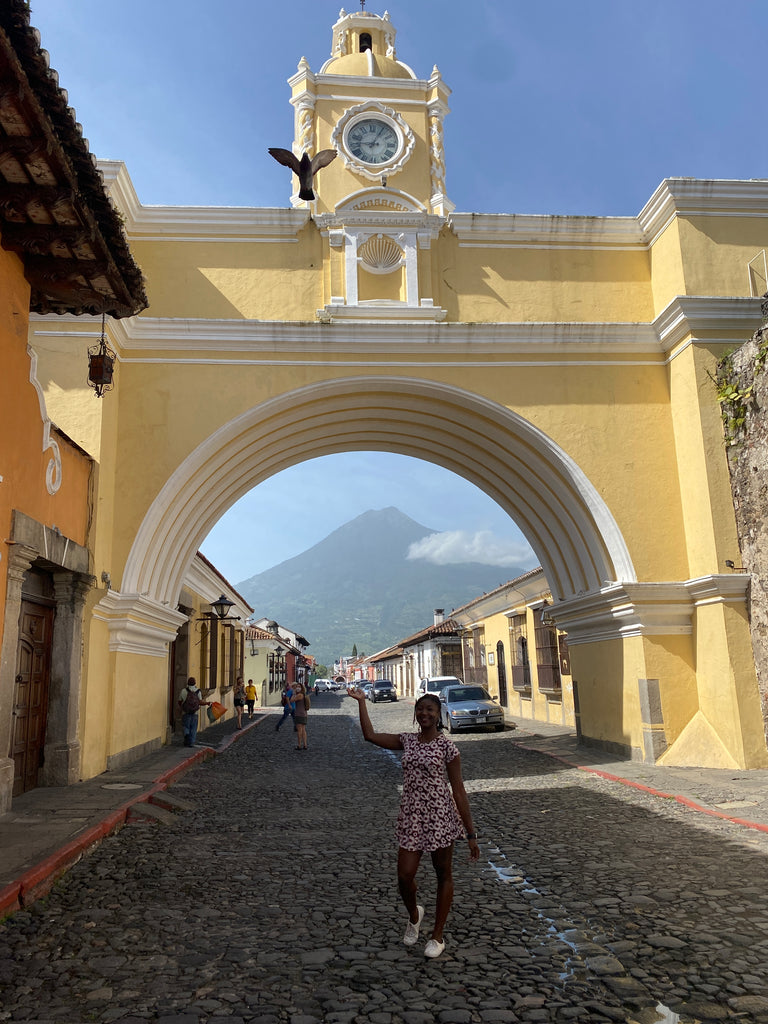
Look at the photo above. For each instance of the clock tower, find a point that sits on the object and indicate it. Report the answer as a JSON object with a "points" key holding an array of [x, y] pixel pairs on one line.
{"points": [[381, 204]]}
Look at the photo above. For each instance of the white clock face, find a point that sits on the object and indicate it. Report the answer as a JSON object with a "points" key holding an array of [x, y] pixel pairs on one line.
{"points": [[373, 141]]}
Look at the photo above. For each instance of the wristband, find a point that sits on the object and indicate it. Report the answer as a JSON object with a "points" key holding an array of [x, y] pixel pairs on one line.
{"points": [[471, 835]]}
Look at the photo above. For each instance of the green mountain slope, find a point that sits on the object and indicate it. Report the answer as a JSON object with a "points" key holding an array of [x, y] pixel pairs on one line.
{"points": [[358, 587]]}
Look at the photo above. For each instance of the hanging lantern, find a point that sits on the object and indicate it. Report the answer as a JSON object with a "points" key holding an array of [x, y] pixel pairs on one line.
{"points": [[221, 607], [101, 364]]}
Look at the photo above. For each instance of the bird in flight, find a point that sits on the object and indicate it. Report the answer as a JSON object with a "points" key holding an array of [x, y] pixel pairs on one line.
{"points": [[306, 168]]}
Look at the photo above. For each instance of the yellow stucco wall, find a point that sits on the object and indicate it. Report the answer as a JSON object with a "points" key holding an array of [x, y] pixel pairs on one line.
{"points": [[606, 673], [716, 251]]}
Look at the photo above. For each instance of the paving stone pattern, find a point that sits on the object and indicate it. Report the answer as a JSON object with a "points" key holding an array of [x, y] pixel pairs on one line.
{"points": [[272, 898]]}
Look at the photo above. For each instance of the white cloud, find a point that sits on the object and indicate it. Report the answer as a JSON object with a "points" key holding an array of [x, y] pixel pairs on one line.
{"points": [[463, 546]]}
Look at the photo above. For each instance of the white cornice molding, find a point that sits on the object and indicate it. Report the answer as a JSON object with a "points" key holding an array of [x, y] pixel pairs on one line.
{"points": [[346, 82], [304, 77], [144, 332], [167, 335], [713, 318], [720, 588], [625, 610], [53, 471], [675, 197], [691, 197], [388, 313], [190, 223], [137, 624], [685, 320], [489, 230], [622, 610], [375, 220], [681, 197]]}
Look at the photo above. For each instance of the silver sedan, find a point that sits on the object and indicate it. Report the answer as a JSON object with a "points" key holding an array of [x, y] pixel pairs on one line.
{"points": [[467, 706]]}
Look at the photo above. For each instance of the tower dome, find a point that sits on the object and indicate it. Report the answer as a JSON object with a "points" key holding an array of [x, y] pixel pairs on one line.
{"points": [[364, 46]]}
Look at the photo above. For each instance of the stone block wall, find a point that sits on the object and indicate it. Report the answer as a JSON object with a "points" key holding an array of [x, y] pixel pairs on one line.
{"points": [[745, 415]]}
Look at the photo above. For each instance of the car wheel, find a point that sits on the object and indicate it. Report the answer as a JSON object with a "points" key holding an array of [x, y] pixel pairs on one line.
{"points": [[451, 726]]}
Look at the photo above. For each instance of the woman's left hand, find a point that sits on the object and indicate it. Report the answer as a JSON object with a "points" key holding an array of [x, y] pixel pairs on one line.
{"points": [[474, 850]]}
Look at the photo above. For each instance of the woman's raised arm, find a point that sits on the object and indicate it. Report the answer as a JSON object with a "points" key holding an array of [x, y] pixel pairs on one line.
{"points": [[388, 740]]}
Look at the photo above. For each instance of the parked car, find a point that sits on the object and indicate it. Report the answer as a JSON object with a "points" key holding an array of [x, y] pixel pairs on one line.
{"points": [[323, 685], [434, 684], [366, 688], [383, 689], [464, 707]]}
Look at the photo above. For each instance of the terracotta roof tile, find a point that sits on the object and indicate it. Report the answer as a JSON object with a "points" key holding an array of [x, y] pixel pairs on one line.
{"points": [[55, 212]]}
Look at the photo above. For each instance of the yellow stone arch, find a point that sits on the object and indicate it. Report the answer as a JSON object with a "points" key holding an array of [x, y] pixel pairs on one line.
{"points": [[561, 514]]}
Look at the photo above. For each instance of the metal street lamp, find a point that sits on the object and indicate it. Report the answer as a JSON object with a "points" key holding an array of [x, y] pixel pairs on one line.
{"points": [[221, 606]]}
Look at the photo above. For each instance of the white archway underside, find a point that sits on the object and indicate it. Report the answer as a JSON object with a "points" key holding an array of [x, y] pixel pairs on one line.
{"points": [[558, 510]]}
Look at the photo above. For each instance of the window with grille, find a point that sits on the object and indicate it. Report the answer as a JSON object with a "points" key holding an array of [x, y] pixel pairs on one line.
{"points": [[518, 645], [547, 654], [204, 668]]}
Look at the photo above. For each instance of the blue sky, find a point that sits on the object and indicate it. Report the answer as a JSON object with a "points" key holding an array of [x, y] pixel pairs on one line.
{"points": [[557, 108]]}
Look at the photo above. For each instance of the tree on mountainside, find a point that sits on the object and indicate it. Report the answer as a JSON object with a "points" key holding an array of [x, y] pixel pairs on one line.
{"points": [[354, 650]]}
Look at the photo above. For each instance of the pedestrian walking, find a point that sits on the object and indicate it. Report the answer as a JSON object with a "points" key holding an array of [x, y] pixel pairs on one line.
{"points": [[301, 697], [239, 698], [250, 697], [190, 702], [433, 809], [288, 705]]}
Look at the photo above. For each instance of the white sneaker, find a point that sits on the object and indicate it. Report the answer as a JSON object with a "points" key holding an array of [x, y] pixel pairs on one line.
{"points": [[433, 948], [412, 931]]}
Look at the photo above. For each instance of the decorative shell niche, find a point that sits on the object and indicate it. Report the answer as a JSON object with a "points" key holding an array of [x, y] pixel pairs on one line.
{"points": [[384, 260]]}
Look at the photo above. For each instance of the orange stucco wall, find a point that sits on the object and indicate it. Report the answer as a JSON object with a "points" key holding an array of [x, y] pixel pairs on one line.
{"points": [[23, 462]]}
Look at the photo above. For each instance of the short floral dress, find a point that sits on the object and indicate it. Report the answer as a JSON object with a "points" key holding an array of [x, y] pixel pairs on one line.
{"points": [[428, 818]]}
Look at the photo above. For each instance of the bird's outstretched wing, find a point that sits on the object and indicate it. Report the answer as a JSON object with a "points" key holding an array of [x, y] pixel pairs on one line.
{"points": [[286, 158], [322, 159]]}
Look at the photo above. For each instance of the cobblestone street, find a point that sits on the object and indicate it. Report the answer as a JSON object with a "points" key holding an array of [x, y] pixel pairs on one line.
{"points": [[272, 898]]}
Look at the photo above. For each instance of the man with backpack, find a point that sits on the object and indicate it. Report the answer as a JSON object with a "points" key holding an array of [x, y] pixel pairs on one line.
{"points": [[190, 702], [289, 706]]}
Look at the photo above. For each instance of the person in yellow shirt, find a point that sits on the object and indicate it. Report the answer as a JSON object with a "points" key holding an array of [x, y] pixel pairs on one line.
{"points": [[250, 697]]}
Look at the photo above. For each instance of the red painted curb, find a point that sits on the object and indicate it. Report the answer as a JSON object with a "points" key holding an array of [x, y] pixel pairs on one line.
{"points": [[684, 800], [40, 879], [10, 899]]}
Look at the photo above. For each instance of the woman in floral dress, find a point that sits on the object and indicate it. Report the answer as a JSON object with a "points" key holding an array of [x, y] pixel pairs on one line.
{"points": [[434, 811]]}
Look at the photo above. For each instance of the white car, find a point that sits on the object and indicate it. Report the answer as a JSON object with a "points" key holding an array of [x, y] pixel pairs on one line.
{"points": [[434, 684], [323, 685]]}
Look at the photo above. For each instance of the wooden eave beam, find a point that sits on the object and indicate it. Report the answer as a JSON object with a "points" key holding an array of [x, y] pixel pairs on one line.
{"points": [[56, 268], [38, 239]]}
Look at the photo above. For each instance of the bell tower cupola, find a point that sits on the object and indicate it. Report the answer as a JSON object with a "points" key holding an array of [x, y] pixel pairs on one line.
{"points": [[385, 123], [381, 202], [363, 32]]}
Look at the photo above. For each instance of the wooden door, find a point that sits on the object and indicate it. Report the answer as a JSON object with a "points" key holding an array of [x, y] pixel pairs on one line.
{"points": [[30, 702], [501, 668]]}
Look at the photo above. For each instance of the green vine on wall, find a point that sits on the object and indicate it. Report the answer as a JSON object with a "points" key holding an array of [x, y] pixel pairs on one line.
{"points": [[735, 392]]}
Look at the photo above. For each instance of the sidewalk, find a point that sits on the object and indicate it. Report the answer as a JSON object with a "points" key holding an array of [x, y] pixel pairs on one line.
{"points": [[735, 795], [51, 828]]}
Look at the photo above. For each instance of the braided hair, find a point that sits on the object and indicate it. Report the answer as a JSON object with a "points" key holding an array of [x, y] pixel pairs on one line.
{"points": [[436, 700]]}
